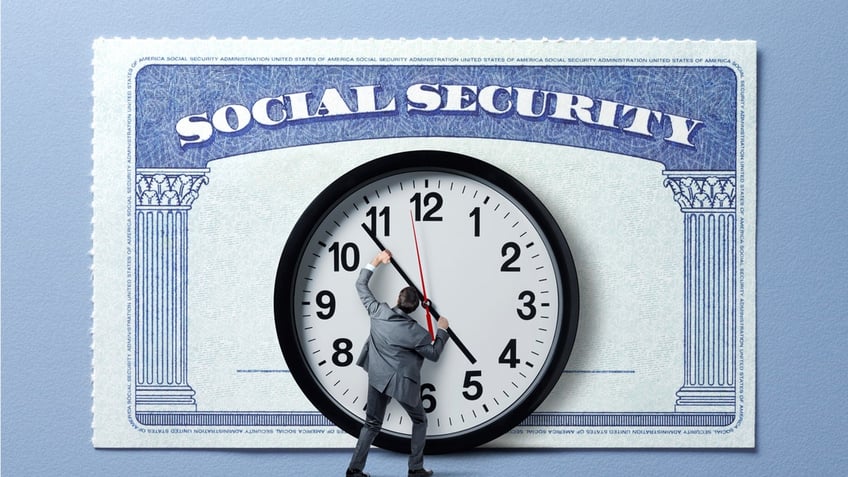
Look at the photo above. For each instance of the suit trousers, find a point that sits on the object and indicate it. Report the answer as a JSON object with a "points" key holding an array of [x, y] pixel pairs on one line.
{"points": [[375, 410]]}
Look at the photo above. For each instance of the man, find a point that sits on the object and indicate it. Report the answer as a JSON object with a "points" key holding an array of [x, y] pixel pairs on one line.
{"points": [[393, 356]]}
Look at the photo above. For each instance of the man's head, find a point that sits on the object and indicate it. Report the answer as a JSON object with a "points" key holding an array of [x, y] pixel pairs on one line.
{"points": [[408, 300]]}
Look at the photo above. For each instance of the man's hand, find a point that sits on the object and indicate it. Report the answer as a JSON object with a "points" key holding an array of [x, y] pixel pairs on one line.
{"points": [[443, 323], [383, 257]]}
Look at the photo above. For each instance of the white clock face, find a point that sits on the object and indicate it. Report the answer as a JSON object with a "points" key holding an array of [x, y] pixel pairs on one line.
{"points": [[487, 266]]}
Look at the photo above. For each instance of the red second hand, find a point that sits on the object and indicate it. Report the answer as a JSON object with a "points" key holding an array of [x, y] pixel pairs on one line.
{"points": [[421, 274]]}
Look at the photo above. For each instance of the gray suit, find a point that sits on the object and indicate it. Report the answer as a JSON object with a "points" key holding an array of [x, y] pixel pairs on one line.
{"points": [[393, 355]]}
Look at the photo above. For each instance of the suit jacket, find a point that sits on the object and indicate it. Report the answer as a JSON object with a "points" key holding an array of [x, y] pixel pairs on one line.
{"points": [[396, 347]]}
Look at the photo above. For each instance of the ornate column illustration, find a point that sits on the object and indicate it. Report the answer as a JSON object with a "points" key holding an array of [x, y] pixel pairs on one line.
{"points": [[163, 199], [708, 202]]}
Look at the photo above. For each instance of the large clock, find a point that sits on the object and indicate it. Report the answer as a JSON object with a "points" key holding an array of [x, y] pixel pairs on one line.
{"points": [[487, 254]]}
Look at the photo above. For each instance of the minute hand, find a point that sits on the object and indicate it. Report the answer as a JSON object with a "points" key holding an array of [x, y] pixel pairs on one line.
{"points": [[459, 343]]}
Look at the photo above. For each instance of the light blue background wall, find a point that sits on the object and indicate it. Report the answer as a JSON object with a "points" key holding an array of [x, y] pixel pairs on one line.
{"points": [[801, 246]]}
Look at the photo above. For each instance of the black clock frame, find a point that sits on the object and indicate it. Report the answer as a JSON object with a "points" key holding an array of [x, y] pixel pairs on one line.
{"points": [[426, 160]]}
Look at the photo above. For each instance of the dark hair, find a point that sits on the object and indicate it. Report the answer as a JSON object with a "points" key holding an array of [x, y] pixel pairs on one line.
{"points": [[408, 299]]}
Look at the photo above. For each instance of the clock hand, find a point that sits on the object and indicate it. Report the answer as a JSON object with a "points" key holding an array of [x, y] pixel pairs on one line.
{"points": [[459, 343], [424, 300], [392, 260]]}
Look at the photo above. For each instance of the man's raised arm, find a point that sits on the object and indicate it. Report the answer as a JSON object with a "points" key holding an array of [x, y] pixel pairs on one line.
{"points": [[362, 288]]}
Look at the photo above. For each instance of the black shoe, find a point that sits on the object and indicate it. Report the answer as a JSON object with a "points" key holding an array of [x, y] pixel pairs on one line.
{"points": [[420, 473], [355, 473]]}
